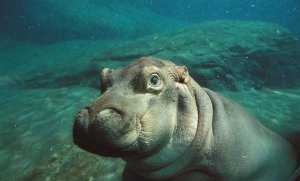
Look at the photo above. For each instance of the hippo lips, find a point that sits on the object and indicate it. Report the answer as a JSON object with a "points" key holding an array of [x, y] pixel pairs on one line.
{"points": [[107, 134]]}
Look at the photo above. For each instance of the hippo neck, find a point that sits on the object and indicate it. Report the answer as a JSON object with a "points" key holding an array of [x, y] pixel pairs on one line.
{"points": [[241, 144], [175, 157]]}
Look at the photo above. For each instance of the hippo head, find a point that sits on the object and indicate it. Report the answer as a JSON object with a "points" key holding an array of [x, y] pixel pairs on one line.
{"points": [[136, 112]]}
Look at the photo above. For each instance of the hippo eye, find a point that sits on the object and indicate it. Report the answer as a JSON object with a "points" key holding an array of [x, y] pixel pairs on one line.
{"points": [[154, 80]]}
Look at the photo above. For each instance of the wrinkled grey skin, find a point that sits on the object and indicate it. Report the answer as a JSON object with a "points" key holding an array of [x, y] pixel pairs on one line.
{"points": [[175, 129]]}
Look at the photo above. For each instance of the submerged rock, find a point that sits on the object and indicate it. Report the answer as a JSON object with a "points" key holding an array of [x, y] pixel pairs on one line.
{"points": [[221, 55], [225, 54]]}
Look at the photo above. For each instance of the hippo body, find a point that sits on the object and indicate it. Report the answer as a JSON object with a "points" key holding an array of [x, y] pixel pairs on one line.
{"points": [[165, 126]]}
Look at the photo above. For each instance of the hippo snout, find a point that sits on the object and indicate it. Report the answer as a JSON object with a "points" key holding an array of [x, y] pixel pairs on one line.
{"points": [[103, 125], [106, 126], [104, 134]]}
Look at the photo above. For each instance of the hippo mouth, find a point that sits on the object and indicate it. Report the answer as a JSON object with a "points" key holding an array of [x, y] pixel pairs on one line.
{"points": [[109, 133]]}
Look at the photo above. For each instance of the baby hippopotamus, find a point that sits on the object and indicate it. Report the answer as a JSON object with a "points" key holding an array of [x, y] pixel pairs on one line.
{"points": [[165, 126]]}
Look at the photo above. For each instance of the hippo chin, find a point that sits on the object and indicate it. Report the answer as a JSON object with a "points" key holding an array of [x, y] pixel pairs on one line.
{"points": [[165, 126]]}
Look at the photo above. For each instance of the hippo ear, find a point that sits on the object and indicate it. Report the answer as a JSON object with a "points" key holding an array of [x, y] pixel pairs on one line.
{"points": [[183, 74], [179, 74]]}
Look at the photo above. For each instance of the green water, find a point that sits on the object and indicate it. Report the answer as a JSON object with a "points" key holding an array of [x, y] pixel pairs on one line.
{"points": [[46, 80]]}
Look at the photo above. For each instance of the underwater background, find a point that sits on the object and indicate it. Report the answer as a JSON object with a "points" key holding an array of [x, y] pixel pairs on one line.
{"points": [[52, 51]]}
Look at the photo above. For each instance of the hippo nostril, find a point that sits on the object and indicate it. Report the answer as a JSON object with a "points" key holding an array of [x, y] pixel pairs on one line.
{"points": [[82, 119], [91, 113], [80, 128], [88, 109]]}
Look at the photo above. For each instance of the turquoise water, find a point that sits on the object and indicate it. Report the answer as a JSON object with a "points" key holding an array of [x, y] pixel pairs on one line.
{"points": [[51, 53]]}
